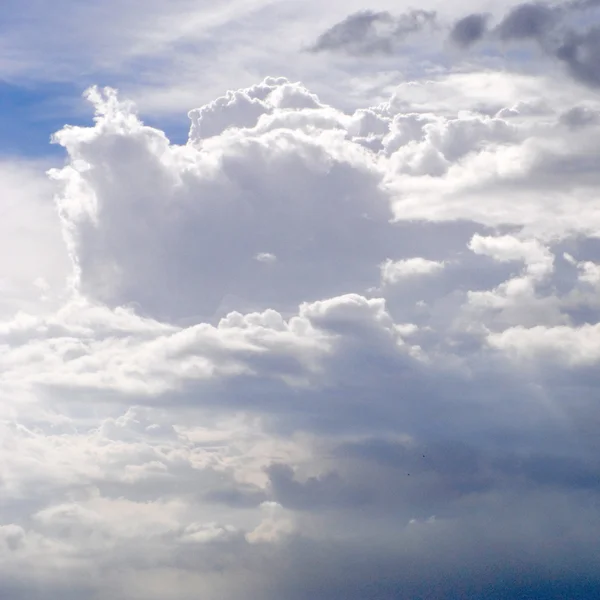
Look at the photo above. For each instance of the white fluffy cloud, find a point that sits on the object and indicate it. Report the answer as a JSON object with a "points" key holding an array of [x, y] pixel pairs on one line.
{"points": [[395, 271], [280, 181], [310, 353]]}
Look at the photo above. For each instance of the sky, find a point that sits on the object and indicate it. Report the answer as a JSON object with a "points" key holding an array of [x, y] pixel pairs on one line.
{"points": [[300, 300]]}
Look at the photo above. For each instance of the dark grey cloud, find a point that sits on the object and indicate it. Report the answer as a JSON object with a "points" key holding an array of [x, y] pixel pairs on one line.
{"points": [[531, 20], [327, 491], [414, 21], [554, 27], [510, 557], [558, 30], [368, 32], [236, 497], [389, 479], [580, 53], [469, 30], [503, 511], [357, 31], [579, 116], [583, 4]]}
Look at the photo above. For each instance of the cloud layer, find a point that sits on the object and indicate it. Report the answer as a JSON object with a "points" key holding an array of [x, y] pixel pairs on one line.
{"points": [[314, 353], [567, 33]]}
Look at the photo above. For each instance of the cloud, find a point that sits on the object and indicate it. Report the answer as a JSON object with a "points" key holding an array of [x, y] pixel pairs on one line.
{"points": [[538, 260], [34, 266], [588, 271], [558, 30], [296, 166], [367, 32], [469, 29], [314, 352], [393, 272], [577, 48], [579, 51], [530, 20], [341, 343], [562, 345]]}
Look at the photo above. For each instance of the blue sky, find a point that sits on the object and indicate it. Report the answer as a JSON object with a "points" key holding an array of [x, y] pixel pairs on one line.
{"points": [[301, 302], [32, 113]]}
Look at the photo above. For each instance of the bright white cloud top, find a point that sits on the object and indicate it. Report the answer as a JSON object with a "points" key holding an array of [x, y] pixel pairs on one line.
{"points": [[312, 353]]}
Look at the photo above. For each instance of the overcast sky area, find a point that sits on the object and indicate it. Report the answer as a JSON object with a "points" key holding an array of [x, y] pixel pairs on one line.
{"points": [[299, 300]]}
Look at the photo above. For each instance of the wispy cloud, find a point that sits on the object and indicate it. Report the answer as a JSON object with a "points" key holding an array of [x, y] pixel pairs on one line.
{"points": [[368, 32]]}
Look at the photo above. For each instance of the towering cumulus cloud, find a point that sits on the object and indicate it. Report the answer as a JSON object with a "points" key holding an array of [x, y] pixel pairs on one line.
{"points": [[315, 354], [267, 171]]}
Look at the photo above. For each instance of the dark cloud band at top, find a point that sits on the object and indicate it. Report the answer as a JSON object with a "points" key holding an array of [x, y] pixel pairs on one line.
{"points": [[365, 33], [552, 27]]}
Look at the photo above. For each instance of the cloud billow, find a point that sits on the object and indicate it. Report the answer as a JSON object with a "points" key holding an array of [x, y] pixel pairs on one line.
{"points": [[309, 351]]}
